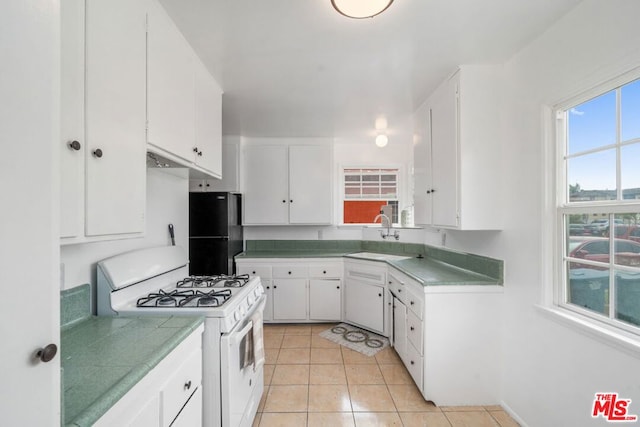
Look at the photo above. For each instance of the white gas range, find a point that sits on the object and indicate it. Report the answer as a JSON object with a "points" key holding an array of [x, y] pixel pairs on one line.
{"points": [[155, 281]]}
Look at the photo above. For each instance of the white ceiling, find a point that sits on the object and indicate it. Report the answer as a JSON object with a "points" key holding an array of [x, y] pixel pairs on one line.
{"points": [[298, 68]]}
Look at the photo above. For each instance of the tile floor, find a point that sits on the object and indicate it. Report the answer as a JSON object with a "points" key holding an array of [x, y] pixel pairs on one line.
{"points": [[311, 381]]}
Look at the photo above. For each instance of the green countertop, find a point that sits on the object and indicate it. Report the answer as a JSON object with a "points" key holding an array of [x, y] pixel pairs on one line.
{"points": [[430, 272], [427, 271], [104, 357]]}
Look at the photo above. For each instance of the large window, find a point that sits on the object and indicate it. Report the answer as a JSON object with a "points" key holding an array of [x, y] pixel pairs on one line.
{"points": [[365, 193], [599, 206]]}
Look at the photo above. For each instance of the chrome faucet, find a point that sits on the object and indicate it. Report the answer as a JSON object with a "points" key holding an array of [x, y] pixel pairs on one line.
{"points": [[388, 234]]}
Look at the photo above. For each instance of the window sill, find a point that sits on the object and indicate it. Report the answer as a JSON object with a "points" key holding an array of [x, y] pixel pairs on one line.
{"points": [[611, 336]]}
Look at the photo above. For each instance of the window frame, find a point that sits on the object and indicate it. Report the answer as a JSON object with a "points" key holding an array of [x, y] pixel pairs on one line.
{"points": [[562, 207], [401, 190]]}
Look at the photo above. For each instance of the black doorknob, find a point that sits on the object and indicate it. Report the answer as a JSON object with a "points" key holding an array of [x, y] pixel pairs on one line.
{"points": [[97, 153], [48, 353], [75, 145]]}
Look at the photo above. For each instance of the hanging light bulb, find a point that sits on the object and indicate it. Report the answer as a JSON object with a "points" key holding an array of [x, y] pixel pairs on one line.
{"points": [[359, 9], [382, 140]]}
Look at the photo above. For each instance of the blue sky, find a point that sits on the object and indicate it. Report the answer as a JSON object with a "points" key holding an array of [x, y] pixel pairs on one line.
{"points": [[592, 124]]}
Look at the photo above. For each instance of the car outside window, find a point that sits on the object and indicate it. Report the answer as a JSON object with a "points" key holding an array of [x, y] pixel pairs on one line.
{"points": [[599, 205]]}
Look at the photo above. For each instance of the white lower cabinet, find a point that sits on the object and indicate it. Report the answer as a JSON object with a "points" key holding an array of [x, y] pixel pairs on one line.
{"points": [[165, 400], [289, 299], [365, 295], [324, 299], [365, 305], [300, 289], [400, 328]]}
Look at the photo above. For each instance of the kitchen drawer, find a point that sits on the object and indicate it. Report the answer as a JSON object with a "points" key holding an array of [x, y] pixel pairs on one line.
{"points": [[264, 271], [414, 330], [177, 391], [414, 363], [397, 288], [414, 303], [290, 271], [327, 270]]}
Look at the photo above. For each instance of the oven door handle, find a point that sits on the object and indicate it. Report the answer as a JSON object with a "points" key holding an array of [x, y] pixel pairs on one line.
{"points": [[235, 337]]}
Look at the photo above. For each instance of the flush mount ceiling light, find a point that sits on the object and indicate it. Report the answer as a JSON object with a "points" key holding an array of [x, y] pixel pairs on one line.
{"points": [[360, 9], [382, 140]]}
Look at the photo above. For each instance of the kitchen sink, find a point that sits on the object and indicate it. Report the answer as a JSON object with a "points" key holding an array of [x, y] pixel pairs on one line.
{"points": [[378, 257]]}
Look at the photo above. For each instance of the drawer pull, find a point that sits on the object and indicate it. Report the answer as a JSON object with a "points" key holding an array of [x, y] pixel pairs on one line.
{"points": [[412, 328], [337, 287], [289, 272], [412, 362], [253, 272], [399, 290], [412, 302], [324, 272], [379, 295], [187, 385], [267, 287], [275, 287]]}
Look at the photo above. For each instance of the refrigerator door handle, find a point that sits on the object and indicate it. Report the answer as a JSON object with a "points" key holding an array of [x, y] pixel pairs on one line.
{"points": [[210, 237]]}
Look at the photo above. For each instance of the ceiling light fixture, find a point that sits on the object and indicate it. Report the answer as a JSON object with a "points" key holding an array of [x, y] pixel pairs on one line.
{"points": [[382, 140], [360, 9]]}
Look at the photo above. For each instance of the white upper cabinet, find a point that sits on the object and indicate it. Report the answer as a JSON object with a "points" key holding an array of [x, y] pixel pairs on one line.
{"points": [[310, 200], [115, 116], [287, 184], [422, 165], [266, 189], [208, 121], [184, 110], [457, 159], [171, 86], [72, 142]]}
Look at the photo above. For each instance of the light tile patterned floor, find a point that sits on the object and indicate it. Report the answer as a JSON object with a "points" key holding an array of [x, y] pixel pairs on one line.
{"points": [[311, 381]]}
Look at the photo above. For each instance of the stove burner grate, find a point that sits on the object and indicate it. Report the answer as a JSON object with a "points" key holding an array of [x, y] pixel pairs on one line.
{"points": [[163, 299], [222, 280]]}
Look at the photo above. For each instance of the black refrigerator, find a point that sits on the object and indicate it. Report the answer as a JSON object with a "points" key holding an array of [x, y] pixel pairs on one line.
{"points": [[215, 232]]}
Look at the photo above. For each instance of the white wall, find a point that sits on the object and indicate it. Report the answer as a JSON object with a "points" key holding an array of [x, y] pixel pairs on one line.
{"points": [[348, 151], [552, 371], [167, 202]]}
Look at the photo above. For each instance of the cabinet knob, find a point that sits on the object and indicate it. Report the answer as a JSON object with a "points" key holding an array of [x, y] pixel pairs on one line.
{"points": [[199, 185], [97, 153], [433, 190], [253, 272], [337, 287], [324, 271], [289, 272], [399, 290], [75, 145], [411, 327], [274, 286], [187, 385], [412, 302], [48, 353], [290, 201], [379, 295], [267, 287], [208, 185], [428, 191], [199, 153], [195, 150], [412, 362], [284, 201]]}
